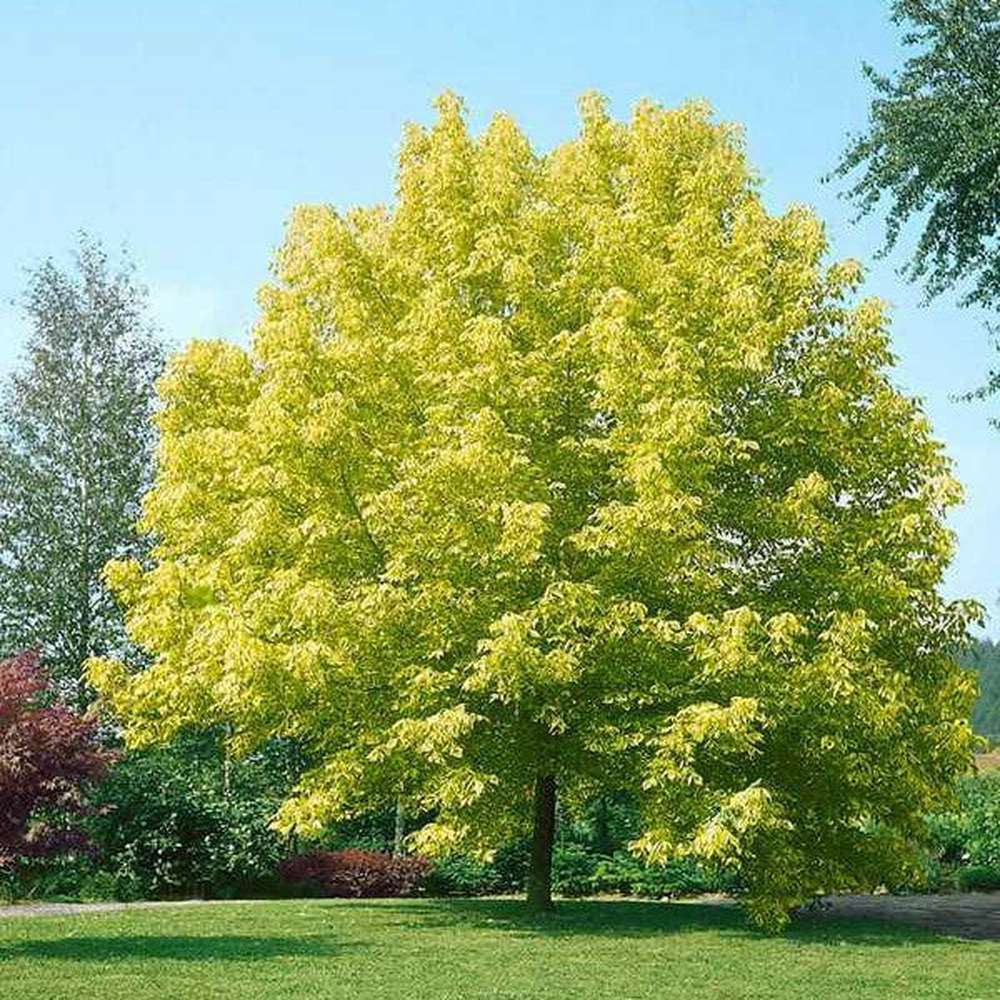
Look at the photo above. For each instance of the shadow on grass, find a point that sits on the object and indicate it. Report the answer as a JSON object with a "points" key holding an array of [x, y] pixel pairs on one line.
{"points": [[374, 922], [626, 918], [181, 948]]}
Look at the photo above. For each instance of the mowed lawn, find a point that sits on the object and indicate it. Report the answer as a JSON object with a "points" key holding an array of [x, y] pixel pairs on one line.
{"points": [[475, 948]]}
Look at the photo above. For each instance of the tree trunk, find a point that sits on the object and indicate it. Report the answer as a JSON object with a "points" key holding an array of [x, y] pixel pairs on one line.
{"points": [[540, 875], [226, 761], [86, 569], [602, 834], [399, 830]]}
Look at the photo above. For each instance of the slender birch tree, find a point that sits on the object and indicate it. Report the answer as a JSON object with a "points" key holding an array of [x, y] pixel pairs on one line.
{"points": [[76, 448]]}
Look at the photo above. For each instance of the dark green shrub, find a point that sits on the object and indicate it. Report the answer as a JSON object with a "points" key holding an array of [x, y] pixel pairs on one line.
{"points": [[573, 868], [625, 874], [949, 837], [371, 832], [606, 824], [511, 866], [980, 798], [981, 878], [461, 875], [175, 821], [965, 844], [183, 820]]}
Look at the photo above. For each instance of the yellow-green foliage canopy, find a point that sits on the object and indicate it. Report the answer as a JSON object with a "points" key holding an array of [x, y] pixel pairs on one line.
{"points": [[577, 463]]}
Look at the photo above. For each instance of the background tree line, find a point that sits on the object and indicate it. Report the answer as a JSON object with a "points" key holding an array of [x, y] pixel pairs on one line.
{"points": [[984, 658]]}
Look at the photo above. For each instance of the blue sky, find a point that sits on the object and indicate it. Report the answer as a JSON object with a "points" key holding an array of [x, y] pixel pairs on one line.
{"points": [[188, 131]]}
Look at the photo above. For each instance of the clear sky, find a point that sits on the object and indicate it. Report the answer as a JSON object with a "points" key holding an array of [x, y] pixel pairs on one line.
{"points": [[188, 130]]}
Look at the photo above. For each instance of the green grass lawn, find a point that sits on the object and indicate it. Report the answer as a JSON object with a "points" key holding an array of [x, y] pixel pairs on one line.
{"points": [[475, 948]]}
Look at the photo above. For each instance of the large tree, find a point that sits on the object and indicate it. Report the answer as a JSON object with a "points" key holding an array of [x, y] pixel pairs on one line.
{"points": [[76, 441], [566, 473]]}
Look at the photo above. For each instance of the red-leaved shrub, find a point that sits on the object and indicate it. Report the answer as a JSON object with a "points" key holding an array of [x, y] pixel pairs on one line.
{"points": [[49, 754], [354, 873]]}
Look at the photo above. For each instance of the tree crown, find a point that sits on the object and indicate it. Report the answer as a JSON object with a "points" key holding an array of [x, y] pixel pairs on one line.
{"points": [[932, 147]]}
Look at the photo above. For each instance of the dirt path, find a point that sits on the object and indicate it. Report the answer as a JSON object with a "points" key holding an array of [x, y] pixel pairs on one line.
{"points": [[69, 909]]}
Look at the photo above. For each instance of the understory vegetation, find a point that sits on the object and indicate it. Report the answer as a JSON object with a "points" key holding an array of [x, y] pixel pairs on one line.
{"points": [[186, 821]]}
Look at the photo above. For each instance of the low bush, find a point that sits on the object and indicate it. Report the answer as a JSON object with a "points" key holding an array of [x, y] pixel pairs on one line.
{"points": [[463, 875], [175, 821], [965, 844], [577, 870], [50, 757], [625, 874], [980, 799], [573, 870], [182, 820], [978, 878], [460, 875], [70, 878], [356, 873]]}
